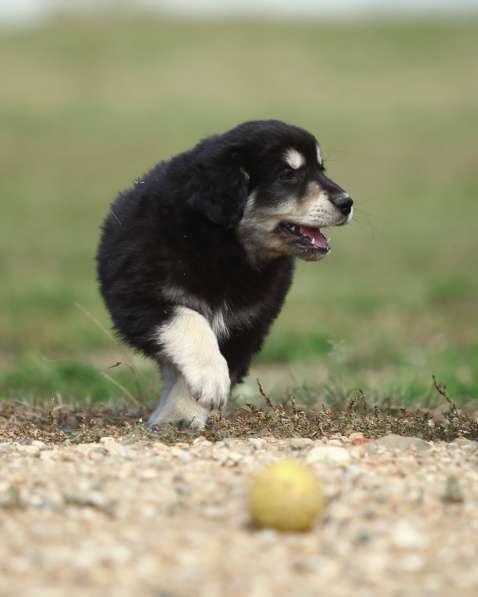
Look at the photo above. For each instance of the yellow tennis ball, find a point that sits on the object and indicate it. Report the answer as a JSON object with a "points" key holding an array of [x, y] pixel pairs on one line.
{"points": [[286, 496]]}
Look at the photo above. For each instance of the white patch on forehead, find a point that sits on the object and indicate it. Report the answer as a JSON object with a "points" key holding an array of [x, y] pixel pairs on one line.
{"points": [[294, 158], [319, 155]]}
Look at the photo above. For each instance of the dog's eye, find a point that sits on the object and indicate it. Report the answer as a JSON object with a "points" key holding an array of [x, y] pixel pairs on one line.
{"points": [[288, 175]]}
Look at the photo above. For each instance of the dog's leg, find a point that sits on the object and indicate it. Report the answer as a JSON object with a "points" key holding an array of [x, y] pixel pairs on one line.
{"points": [[188, 341], [176, 405], [169, 376]]}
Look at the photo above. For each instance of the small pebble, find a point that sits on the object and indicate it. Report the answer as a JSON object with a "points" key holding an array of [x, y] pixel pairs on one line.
{"points": [[453, 493], [183, 456], [405, 536], [397, 442], [300, 443], [331, 454]]}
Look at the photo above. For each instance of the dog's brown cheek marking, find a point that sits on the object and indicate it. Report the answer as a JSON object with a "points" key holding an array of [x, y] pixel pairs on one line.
{"points": [[312, 195], [256, 231], [301, 207]]}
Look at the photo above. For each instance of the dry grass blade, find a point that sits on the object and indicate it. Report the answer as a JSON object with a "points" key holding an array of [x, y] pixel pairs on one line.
{"points": [[264, 395], [128, 362], [95, 321], [441, 389], [125, 391]]}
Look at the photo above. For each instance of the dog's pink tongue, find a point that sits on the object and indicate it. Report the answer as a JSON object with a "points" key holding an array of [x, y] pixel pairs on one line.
{"points": [[315, 236]]}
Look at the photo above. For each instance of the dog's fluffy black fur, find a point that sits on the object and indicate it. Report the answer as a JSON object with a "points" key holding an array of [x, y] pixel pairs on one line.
{"points": [[179, 227]]}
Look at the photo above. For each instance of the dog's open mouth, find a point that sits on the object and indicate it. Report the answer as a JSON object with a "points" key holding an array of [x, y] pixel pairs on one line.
{"points": [[307, 237]]}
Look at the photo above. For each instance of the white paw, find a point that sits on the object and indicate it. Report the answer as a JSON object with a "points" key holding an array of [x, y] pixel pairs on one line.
{"points": [[195, 418], [178, 407], [209, 382]]}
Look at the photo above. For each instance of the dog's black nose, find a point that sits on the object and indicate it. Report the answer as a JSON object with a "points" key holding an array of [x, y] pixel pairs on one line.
{"points": [[343, 203]]}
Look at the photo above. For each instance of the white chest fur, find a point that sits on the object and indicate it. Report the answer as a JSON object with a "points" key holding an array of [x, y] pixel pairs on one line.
{"points": [[221, 320]]}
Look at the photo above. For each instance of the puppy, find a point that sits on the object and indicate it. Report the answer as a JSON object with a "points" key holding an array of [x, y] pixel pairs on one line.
{"points": [[195, 260]]}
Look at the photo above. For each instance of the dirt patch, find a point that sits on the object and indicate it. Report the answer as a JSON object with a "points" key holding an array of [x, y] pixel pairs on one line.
{"points": [[82, 423]]}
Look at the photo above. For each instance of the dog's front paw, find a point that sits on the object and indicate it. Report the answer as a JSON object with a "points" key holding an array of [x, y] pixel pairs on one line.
{"points": [[210, 383], [181, 410]]}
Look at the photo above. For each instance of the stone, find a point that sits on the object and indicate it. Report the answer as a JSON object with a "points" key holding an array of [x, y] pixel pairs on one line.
{"points": [[463, 443], [453, 493], [48, 455], [300, 443], [412, 563], [396, 442], [214, 512], [232, 458], [201, 441], [256, 442], [29, 449], [404, 536], [331, 454], [39, 444], [94, 500], [149, 473], [183, 456]]}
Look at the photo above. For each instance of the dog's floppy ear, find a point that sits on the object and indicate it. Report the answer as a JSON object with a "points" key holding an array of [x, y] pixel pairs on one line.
{"points": [[221, 186]]}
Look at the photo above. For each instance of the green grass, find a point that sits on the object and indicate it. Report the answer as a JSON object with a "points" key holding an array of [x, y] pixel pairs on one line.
{"points": [[34, 378], [88, 105]]}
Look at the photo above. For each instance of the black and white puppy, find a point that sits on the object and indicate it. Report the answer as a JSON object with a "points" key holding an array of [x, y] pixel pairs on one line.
{"points": [[195, 260]]}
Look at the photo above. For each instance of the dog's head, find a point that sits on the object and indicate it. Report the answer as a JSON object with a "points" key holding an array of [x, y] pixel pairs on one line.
{"points": [[267, 180]]}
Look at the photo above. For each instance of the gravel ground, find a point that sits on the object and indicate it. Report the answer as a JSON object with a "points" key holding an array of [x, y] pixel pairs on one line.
{"points": [[131, 516]]}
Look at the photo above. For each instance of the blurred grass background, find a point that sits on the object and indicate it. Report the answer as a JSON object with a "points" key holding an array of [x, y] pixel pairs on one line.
{"points": [[89, 104]]}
